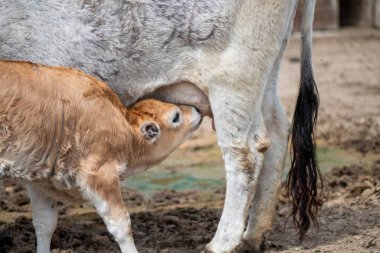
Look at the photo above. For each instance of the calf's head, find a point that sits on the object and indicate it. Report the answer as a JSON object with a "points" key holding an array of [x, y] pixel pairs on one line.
{"points": [[161, 127]]}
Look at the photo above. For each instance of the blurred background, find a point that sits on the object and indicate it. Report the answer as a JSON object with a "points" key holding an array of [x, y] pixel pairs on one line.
{"points": [[176, 205]]}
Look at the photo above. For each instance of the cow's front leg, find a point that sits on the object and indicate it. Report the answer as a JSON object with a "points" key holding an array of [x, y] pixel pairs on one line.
{"points": [[242, 137], [45, 217], [103, 191]]}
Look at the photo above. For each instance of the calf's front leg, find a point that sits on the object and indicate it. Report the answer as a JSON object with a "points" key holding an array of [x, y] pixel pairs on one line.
{"points": [[103, 191], [45, 217]]}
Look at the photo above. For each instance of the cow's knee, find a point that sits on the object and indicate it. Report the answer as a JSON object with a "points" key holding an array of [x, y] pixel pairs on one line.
{"points": [[243, 163], [263, 209], [262, 143]]}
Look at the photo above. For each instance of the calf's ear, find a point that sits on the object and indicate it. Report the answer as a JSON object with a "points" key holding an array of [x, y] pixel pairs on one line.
{"points": [[150, 131]]}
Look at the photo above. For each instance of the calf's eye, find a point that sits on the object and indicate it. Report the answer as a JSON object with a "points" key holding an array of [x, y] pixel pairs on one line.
{"points": [[176, 118]]}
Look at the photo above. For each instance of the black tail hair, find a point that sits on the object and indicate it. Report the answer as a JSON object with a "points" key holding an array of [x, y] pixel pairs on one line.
{"points": [[302, 180]]}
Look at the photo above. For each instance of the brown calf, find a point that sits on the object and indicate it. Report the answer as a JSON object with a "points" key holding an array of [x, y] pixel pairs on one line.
{"points": [[68, 137]]}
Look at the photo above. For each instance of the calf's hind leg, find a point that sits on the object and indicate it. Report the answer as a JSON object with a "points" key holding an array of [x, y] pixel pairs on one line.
{"points": [[45, 217], [103, 191]]}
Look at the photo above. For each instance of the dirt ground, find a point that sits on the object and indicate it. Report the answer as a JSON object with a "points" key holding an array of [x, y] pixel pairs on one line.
{"points": [[349, 221], [346, 69], [347, 65]]}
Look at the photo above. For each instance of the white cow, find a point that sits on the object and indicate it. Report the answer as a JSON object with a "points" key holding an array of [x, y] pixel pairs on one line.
{"points": [[230, 50]]}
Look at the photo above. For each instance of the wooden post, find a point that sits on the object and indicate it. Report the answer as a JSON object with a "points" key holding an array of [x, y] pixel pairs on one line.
{"points": [[326, 16], [376, 13]]}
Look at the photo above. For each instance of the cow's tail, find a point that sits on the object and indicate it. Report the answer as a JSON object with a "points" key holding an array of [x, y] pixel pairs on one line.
{"points": [[302, 180]]}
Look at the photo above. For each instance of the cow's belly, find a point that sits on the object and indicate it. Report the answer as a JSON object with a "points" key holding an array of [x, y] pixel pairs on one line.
{"points": [[136, 51]]}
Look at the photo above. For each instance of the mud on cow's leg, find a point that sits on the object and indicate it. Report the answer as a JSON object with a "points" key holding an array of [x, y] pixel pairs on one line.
{"points": [[45, 217], [263, 210], [103, 191], [241, 137]]}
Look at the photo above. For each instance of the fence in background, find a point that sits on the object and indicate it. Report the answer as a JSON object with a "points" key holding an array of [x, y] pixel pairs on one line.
{"points": [[334, 14]]}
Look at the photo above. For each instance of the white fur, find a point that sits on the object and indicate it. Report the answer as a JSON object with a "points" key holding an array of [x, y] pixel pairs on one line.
{"points": [[235, 68], [119, 227], [45, 217], [263, 208], [5, 166], [240, 123]]}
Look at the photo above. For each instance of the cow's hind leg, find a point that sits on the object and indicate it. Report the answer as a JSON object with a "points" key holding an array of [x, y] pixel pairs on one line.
{"points": [[45, 217], [236, 92], [263, 210]]}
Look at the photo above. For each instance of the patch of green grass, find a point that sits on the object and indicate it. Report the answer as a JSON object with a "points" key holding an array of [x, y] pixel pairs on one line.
{"points": [[202, 169], [150, 182], [330, 157]]}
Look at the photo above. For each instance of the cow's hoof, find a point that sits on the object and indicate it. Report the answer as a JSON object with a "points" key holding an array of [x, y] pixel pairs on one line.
{"points": [[207, 249], [252, 247], [210, 251]]}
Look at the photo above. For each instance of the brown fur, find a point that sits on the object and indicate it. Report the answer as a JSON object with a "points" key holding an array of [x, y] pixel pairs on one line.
{"points": [[58, 124]]}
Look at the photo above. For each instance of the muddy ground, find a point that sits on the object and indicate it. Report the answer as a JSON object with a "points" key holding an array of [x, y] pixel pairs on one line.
{"points": [[349, 221], [347, 65]]}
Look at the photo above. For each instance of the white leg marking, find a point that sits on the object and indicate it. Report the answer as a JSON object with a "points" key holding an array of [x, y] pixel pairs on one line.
{"points": [[45, 217], [115, 217]]}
